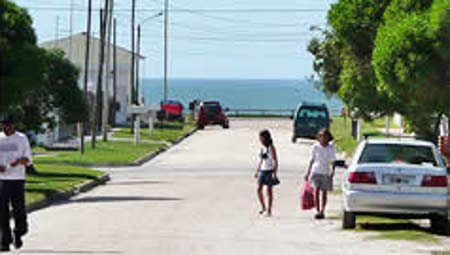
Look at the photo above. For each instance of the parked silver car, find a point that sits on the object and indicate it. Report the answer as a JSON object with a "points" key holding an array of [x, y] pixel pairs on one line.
{"points": [[396, 177]]}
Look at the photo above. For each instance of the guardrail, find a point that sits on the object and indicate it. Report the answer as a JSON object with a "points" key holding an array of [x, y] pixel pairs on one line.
{"points": [[261, 112]]}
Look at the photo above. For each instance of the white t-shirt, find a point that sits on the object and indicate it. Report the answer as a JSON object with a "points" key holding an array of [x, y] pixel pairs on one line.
{"points": [[13, 147], [322, 157], [268, 163]]}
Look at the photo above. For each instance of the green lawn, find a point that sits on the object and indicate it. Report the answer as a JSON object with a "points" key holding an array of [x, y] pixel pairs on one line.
{"points": [[105, 153], [341, 129], [51, 179], [394, 229], [160, 134]]}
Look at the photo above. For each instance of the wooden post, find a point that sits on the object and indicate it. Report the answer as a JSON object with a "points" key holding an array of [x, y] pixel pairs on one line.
{"points": [[132, 70], [115, 74], [86, 70], [98, 96], [137, 63], [105, 113]]}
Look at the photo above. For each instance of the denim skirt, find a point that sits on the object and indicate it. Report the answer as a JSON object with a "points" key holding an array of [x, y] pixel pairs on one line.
{"points": [[266, 178]]}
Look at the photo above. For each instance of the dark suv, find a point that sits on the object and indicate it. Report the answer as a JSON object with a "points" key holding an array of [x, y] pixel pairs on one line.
{"points": [[211, 113], [310, 118]]}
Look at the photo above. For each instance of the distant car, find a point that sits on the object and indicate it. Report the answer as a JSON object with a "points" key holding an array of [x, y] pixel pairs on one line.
{"points": [[172, 110], [211, 113], [396, 177], [308, 119]]}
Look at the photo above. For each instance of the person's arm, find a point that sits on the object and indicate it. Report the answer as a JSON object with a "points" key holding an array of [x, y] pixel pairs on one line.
{"points": [[311, 162], [333, 159], [275, 159], [309, 169], [25, 159], [258, 168]]}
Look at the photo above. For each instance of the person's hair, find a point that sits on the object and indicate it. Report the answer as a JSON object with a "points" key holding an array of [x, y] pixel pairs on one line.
{"points": [[326, 133], [267, 141]]}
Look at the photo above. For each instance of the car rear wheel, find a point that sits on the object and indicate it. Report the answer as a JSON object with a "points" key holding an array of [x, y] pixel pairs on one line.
{"points": [[439, 224], [200, 126], [226, 125], [348, 220], [294, 139]]}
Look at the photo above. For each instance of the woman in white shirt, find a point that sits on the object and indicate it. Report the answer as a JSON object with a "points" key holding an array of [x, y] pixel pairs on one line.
{"points": [[266, 173], [319, 174]]}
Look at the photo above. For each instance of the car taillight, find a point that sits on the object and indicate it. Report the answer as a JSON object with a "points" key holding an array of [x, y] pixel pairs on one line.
{"points": [[434, 181], [362, 177]]}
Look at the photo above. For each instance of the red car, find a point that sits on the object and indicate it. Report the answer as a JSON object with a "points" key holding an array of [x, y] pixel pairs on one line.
{"points": [[211, 113], [172, 110]]}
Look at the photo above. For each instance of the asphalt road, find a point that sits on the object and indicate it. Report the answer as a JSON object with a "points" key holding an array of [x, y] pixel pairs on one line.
{"points": [[199, 198]]}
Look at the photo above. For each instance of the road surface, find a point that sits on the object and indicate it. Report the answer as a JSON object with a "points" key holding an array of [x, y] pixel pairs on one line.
{"points": [[199, 198]]}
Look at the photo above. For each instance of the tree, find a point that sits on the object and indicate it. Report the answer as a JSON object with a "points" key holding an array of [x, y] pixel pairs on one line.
{"points": [[18, 52], [36, 83], [343, 57], [412, 59]]}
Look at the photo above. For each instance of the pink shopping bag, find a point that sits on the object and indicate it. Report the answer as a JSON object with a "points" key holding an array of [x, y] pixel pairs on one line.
{"points": [[307, 197]]}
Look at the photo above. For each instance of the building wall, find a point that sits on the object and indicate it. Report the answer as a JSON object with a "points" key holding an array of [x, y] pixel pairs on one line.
{"points": [[77, 56]]}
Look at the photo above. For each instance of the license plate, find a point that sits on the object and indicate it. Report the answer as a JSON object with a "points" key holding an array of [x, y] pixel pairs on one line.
{"points": [[398, 179]]}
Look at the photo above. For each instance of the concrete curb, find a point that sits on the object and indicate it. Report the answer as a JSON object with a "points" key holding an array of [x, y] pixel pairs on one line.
{"points": [[81, 188]]}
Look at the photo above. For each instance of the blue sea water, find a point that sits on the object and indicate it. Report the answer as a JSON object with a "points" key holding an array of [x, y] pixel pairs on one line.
{"points": [[240, 94]]}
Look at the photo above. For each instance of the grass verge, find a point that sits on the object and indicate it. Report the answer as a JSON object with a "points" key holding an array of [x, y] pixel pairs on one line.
{"points": [[105, 153], [393, 229], [160, 134], [53, 179]]}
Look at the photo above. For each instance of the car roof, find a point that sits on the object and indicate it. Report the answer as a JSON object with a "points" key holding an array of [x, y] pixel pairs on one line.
{"points": [[312, 105], [400, 141]]}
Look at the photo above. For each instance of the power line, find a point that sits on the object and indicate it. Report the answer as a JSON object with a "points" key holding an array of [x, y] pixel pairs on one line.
{"points": [[234, 11]]}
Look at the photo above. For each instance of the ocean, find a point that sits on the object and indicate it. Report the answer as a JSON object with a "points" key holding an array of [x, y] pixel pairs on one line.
{"points": [[240, 93]]}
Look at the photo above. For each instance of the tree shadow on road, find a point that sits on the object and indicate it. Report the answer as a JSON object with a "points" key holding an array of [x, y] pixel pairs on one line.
{"points": [[107, 199], [68, 252], [130, 183]]}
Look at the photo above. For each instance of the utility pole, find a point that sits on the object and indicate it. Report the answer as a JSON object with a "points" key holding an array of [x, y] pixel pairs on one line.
{"points": [[98, 96], [137, 63], [105, 118], [132, 71], [166, 23], [114, 73], [86, 70], [71, 30], [57, 32]]}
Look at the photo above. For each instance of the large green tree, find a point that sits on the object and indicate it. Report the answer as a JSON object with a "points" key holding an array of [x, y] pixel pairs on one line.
{"points": [[343, 56], [35, 83], [412, 60]]}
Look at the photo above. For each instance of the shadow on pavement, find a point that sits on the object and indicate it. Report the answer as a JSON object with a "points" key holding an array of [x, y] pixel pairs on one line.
{"points": [[402, 226], [120, 199], [68, 252], [130, 183]]}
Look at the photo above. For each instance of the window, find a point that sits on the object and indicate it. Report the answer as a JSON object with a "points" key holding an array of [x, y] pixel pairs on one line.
{"points": [[312, 113], [388, 153]]}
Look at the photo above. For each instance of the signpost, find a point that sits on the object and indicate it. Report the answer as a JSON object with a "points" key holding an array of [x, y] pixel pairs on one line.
{"points": [[139, 111]]}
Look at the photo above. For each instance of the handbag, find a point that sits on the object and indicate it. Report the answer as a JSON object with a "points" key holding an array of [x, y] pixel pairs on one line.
{"points": [[307, 197]]}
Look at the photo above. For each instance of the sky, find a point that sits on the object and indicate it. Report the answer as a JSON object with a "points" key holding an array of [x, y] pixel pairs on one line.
{"points": [[244, 39]]}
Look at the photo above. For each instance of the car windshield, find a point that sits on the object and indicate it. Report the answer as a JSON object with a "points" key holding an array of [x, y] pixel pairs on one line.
{"points": [[388, 153], [312, 113]]}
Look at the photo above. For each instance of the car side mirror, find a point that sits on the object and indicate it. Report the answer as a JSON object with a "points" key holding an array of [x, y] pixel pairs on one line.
{"points": [[340, 163]]}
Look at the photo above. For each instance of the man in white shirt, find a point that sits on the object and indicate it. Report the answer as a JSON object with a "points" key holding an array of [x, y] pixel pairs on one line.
{"points": [[15, 154]]}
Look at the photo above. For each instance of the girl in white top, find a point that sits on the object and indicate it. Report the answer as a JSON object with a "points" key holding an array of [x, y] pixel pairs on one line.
{"points": [[266, 173], [319, 174]]}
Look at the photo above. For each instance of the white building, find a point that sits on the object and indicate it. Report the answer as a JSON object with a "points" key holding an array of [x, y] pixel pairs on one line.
{"points": [[75, 49]]}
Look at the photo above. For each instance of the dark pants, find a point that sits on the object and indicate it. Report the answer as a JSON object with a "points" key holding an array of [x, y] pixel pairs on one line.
{"points": [[12, 192]]}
